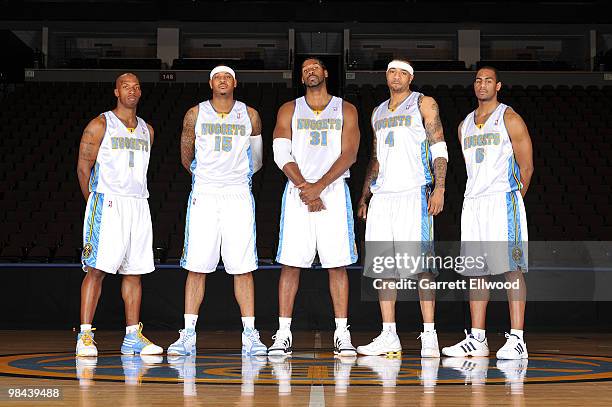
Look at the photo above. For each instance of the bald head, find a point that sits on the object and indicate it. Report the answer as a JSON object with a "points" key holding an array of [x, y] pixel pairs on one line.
{"points": [[127, 90], [126, 77]]}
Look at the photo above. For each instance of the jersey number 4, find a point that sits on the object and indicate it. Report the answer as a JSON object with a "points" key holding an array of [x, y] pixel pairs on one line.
{"points": [[223, 143], [318, 138], [390, 139]]}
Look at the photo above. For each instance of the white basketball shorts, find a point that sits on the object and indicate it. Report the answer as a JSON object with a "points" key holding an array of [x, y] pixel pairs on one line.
{"points": [[399, 217], [498, 223], [329, 232], [402, 225], [220, 225], [117, 235]]}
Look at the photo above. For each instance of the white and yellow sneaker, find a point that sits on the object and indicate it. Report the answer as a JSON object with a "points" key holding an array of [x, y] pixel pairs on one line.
{"points": [[387, 343], [86, 346]]}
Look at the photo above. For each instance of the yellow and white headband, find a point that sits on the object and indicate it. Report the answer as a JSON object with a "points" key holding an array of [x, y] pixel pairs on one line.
{"points": [[223, 68], [401, 65]]}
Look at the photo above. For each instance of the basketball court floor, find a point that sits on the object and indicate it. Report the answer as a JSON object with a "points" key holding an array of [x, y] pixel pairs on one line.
{"points": [[39, 368]]}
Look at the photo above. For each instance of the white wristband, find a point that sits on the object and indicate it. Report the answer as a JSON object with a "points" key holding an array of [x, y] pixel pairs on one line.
{"points": [[282, 151], [439, 150]]}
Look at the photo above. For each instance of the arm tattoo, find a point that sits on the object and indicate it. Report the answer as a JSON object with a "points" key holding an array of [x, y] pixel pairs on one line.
{"points": [[440, 172], [88, 148], [433, 128], [255, 122], [188, 139], [435, 134], [371, 171]]}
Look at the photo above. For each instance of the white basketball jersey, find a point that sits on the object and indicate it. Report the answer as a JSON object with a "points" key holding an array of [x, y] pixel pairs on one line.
{"points": [[222, 148], [316, 138], [402, 148], [489, 158], [123, 159]]}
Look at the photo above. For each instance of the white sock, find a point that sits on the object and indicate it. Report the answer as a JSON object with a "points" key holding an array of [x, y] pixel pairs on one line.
{"points": [[248, 322], [131, 328], [85, 327], [429, 326], [190, 321], [389, 326], [479, 334], [341, 323], [517, 332], [284, 324]]}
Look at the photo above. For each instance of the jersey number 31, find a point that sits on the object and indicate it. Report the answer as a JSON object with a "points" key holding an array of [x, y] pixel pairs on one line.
{"points": [[318, 138]]}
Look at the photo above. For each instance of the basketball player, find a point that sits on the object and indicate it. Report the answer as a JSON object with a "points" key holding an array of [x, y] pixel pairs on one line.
{"points": [[315, 142], [221, 147], [117, 234], [408, 136], [499, 162]]}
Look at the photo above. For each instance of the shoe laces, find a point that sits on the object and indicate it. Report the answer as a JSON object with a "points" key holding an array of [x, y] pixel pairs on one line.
{"points": [[428, 338], [87, 337], [280, 341], [344, 336], [141, 336], [253, 334], [511, 338], [184, 335], [381, 337]]}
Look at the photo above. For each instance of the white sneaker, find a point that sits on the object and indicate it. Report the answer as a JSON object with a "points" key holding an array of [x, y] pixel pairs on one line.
{"points": [[387, 343], [474, 370], [281, 370], [514, 348], [387, 368], [470, 346], [251, 344], [86, 346], [514, 371], [185, 344], [342, 372], [282, 343], [342, 343], [429, 344]]}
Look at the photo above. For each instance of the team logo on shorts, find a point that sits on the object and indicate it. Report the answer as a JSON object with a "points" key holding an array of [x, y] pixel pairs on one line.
{"points": [[87, 250], [517, 253]]}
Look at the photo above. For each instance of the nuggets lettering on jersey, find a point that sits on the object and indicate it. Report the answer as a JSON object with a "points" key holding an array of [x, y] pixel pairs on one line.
{"points": [[222, 148], [316, 138], [123, 160], [401, 147], [489, 158]]}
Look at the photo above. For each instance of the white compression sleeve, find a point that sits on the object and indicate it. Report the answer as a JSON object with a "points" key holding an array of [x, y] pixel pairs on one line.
{"points": [[256, 152], [282, 151]]}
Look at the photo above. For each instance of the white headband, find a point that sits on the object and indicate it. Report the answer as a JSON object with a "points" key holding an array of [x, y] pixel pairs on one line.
{"points": [[223, 68], [401, 65]]}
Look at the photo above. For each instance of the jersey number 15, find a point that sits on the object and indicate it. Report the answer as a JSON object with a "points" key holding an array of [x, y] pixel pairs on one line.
{"points": [[223, 143]]}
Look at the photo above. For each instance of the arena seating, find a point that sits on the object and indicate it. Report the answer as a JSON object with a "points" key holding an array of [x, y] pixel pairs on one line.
{"points": [[41, 206]]}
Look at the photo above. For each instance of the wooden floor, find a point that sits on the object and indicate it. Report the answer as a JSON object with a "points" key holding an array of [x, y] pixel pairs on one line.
{"points": [[566, 369]]}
